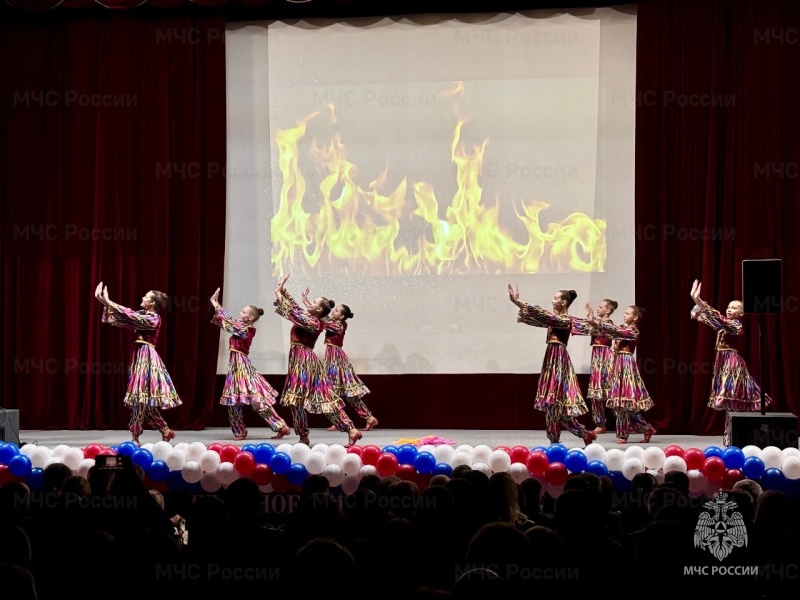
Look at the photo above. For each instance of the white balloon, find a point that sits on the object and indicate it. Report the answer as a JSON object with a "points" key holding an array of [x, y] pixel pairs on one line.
{"points": [[161, 450], [53, 460], [27, 449], [181, 447], [266, 489], [519, 472], [481, 454], [697, 483], [195, 451], [367, 470], [226, 473], [615, 459], [334, 475], [654, 457], [176, 460], [60, 450], [749, 451], [321, 448], [84, 466], [40, 456], [658, 474], [299, 453], [209, 482], [427, 448], [461, 458], [465, 448], [351, 464], [315, 463], [350, 484], [791, 467], [72, 458], [595, 451], [482, 467], [444, 454], [772, 457], [335, 454], [191, 472], [554, 491], [634, 452], [210, 461], [632, 467], [284, 447], [148, 446], [674, 463], [787, 452], [499, 461]]}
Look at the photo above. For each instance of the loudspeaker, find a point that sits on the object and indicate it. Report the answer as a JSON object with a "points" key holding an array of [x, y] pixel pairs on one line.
{"points": [[755, 429], [761, 286], [9, 426]]}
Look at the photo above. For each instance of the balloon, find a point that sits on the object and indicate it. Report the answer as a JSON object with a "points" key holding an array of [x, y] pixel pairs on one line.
{"points": [[261, 475], [334, 475], [60, 450], [158, 470], [445, 454], [351, 465], [407, 472], [175, 461], [425, 461], [576, 461], [175, 480], [369, 455], [191, 472], [537, 462], [772, 457], [554, 491], [518, 471], [442, 469], [407, 454], [161, 450], [714, 468], [499, 461], [355, 449], [556, 453], [483, 468], [654, 457], [621, 483], [465, 448], [367, 470], [731, 477], [425, 448], [216, 447], [556, 473], [124, 449], [753, 468], [196, 450], [84, 466], [595, 451], [674, 463], [20, 465], [280, 463], [73, 458], [481, 454], [733, 457], [387, 464], [674, 450], [461, 458], [280, 483], [35, 480], [244, 463], [695, 459], [390, 448], [143, 458], [6, 476], [713, 451], [350, 484], [787, 452], [210, 461], [615, 458], [91, 450], [315, 462], [636, 452], [751, 451], [518, 454], [772, 479], [632, 467], [297, 474], [40, 456], [227, 454], [226, 473], [299, 453], [658, 474], [321, 448], [251, 448], [791, 467], [108, 451], [210, 483], [597, 467], [263, 453], [505, 449], [285, 448]]}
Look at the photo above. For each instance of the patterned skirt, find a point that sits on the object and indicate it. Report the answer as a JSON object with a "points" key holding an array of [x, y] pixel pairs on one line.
{"points": [[346, 384], [600, 374], [628, 392], [307, 385], [558, 385], [149, 381], [245, 385], [732, 387]]}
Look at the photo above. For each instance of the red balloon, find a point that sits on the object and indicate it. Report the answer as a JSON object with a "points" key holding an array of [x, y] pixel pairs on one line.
{"points": [[423, 481], [714, 468], [731, 477], [281, 485], [216, 447], [370, 454], [406, 473], [556, 474], [6, 476], [261, 474], [244, 463], [228, 453], [695, 459], [519, 454], [386, 464], [108, 452], [92, 450], [674, 450], [505, 449], [537, 463], [355, 449]]}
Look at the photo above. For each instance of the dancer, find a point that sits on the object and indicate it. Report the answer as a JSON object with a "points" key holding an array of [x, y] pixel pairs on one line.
{"points": [[150, 387], [558, 394], [602, 359], [346, 384], [732, 387], [243, 383], [628, 397], [307, 388]]}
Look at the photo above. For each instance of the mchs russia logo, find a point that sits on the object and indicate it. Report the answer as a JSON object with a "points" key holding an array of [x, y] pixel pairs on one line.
{"points": [[721, 528]]}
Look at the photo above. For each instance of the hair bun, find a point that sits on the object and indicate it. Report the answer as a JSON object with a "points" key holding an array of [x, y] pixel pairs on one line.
{"points": [[260, 312], [573, 294], [331, 303]]}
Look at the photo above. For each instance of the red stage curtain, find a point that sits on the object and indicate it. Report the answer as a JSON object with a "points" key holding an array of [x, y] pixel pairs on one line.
{"points": [[111, 168]]}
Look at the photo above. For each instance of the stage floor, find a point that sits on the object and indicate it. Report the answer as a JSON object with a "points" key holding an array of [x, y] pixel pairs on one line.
{"points": [[380, 437]]}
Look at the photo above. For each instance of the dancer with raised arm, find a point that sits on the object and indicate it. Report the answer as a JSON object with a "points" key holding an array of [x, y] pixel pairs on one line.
{"points": [[732, 386], [628, 398], [346, 383], [244, 385], [150, 388], [558, 393], [307, 388]]}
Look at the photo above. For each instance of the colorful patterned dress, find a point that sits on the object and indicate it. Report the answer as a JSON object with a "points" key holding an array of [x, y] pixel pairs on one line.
{"points": [[150, 387], [307, 388], [600, 370], [732, 386], [558, 393], [340, 371], [628, 397], [244, 385]]}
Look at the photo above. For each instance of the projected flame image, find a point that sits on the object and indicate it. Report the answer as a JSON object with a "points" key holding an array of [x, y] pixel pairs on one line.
{"points": [[374, 231]]}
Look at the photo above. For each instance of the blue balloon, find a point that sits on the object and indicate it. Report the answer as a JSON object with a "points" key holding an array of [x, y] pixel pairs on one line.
{"points": [[280, 463], [127, 449], [20, 465], [391, 449], [175, 481], [297, 474], [158, 470], [576, 461], [539, 448], [35, 480], [115, 449], [713, 451], [251, 448], [773, 479], [143, 458], [598, 467], [621, 483], [263, 453], [406, 454], [442, 469], [7, 452], [556, 453], [753, 468], [424, 462], [733, 457]]}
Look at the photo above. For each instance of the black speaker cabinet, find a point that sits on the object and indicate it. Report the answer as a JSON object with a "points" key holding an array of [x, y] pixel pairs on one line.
{"points": [[762, 286], [9, 426], [755, 429]]}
